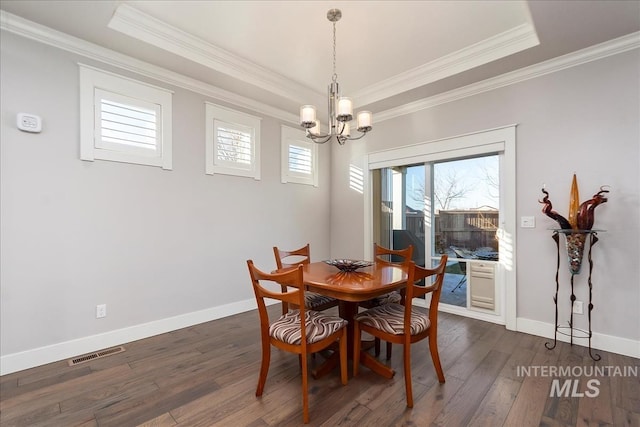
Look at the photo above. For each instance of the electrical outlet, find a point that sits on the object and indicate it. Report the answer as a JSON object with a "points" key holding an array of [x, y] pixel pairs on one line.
{"points": [[101, 311], [578, 307]]}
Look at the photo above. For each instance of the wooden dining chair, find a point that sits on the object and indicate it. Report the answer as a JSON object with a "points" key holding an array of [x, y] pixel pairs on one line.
{"points": [[289, 333], [405, 324], [286, 259], [388, 256]]}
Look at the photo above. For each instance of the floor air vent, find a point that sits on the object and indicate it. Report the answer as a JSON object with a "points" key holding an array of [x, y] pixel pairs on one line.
{"points": [[97, 355]]}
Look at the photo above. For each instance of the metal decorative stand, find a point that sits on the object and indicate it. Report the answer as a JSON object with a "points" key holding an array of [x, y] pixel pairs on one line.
{"points": [[575, 240]]}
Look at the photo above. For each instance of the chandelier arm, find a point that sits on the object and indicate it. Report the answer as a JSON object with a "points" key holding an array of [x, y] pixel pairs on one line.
{"points": [[355, 138], [319, 139]]}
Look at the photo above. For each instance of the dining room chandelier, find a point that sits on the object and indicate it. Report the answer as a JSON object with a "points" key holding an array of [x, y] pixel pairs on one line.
{"points": [[340, 108]]}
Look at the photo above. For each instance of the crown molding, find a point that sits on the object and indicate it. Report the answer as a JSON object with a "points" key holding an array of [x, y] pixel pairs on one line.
{"points": [[504, 44], [46, 35], [148, 29], [40, 33], [592, 53]]}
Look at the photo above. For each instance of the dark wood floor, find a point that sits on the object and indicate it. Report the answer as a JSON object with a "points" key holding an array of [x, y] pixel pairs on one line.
{"points": [[206, 375]]}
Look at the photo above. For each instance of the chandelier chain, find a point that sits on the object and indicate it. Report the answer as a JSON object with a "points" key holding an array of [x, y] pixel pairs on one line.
{"points": [[335, 74]]}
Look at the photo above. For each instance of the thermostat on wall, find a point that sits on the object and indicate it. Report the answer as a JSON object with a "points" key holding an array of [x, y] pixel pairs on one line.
{"points": [[29, 122]]}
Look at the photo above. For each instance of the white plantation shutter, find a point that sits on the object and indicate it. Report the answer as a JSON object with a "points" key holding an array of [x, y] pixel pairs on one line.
{"points": [[232, 142], [127, 124], [132, 128], [298, 157]]}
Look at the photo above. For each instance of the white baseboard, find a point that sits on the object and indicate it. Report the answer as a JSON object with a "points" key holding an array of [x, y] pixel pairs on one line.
{"points": [[610, 343], [41, 356], [68, 349]]}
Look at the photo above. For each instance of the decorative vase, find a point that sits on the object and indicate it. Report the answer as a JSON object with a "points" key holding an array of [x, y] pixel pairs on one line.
{"points": [[575, 250]]}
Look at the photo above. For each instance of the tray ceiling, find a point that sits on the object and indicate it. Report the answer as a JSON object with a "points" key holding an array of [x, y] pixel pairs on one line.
{"points": [[388, 52]]}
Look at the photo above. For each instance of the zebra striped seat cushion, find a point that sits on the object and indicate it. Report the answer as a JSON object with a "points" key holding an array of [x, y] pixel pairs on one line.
{"points": [[390, 318], [318, 325], [393, 297], [313, 300]]}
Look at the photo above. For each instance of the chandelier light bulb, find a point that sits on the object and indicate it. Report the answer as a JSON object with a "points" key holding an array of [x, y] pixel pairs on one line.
{"points": [[345, 109], [364, 121], [307, 116]]}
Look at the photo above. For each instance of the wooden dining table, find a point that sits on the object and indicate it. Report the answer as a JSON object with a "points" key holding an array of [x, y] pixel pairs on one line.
{"points": [[350, 288]]}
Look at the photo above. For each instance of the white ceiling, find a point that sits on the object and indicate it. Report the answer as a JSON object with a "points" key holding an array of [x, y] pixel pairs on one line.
{"points": [[388, 52]]}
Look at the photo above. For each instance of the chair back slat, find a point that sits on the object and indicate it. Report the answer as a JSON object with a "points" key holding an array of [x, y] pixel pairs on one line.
{"points": [[380, 251], [290, 259], [290, 296], [301, 256]]}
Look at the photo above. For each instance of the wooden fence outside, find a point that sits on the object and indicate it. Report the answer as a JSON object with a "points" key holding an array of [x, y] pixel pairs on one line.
{"points": [[467, 229]]}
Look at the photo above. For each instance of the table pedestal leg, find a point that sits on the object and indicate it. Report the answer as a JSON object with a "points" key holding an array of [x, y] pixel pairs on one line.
{"points": [[374, 364]]}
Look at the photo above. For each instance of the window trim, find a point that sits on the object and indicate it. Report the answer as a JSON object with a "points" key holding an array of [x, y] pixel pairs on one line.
{"points": [[289, 135], [92, 81], [218, 114]]}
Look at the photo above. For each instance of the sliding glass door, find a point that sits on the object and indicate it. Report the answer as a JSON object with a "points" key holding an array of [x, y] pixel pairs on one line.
{"points": [[456, 196], [450, 206]]}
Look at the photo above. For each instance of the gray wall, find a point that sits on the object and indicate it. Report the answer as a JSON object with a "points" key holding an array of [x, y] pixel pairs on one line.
{"points": [[582, 120], [149, 243], [158, 246]]}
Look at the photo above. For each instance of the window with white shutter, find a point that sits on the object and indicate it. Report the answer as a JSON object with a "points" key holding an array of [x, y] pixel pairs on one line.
{"points": [[124, 120], [298, 157], [232, 142]]}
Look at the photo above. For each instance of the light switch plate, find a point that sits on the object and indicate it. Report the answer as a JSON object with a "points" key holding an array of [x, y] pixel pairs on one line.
{"points": [[528, 222]]}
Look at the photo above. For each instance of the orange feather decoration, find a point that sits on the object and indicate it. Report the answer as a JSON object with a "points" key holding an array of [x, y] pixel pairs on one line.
{"points": [[574, 203]]}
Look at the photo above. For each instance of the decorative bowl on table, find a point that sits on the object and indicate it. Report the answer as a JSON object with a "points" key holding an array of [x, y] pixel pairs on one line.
{"points": [[348, 264]]}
